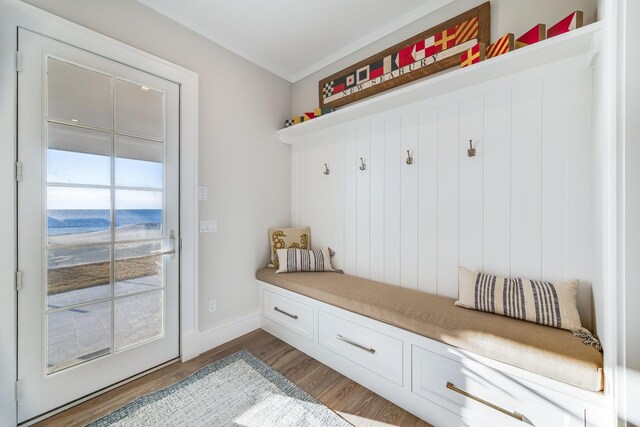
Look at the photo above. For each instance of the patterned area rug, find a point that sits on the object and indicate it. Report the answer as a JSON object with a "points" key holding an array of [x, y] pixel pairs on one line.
{"points": [[239, 390]]}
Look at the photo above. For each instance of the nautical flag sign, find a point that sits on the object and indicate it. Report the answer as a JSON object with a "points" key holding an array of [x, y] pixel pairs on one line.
{"points": [[532, 36], [569, 23], [504, 44], [429, 52], [472, 56]]}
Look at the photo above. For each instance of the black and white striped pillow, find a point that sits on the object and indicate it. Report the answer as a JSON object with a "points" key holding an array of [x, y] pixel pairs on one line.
{"points": [[551, 304], [293, 260]]}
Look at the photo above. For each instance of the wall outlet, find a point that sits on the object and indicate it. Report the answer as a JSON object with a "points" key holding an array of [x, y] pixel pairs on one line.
{"points": [[213, 305], [203, 194], [210, 226]]}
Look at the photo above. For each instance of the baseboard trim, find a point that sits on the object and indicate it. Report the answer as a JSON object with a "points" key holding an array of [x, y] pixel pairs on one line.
{"points": [[213, 337]]}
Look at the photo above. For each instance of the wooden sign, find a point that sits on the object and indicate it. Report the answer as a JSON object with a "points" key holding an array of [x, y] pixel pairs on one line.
{"points": [[504, 44], [534, 35], [570, 23], [473, 55], [429, 52]]}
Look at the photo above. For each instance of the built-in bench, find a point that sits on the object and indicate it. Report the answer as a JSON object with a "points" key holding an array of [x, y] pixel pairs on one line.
{"points": [[422, 345], [555, 353]]}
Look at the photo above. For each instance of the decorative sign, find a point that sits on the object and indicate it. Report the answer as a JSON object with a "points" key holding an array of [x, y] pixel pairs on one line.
{"points": [[473, 55], [504, 44], [429, 52], [534, 35], [570, 23]]}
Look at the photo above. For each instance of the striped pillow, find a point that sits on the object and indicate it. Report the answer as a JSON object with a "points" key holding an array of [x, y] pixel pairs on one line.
{"points": [[293, 260], [551, 304]]}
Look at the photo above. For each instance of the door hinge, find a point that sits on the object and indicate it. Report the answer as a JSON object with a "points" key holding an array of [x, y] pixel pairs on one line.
{"points": [[18, 390], [18, 171], [180, 246], [18, 61], [19, 280]]}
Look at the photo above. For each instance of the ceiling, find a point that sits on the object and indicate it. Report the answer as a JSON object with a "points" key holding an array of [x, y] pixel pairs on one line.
{"points": [[294, 38]]}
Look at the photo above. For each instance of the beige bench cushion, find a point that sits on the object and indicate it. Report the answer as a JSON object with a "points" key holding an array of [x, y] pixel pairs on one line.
{"points": [[554, 353]]}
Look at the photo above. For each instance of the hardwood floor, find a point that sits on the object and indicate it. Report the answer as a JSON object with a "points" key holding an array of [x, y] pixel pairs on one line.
{"points": [[356, 404]]}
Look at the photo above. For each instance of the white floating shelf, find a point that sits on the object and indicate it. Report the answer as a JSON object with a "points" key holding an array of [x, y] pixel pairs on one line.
{"points": [[584, 40]]}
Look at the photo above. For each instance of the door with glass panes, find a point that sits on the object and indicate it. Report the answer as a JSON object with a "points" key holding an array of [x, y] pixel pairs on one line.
{"points": [[97, 223]]}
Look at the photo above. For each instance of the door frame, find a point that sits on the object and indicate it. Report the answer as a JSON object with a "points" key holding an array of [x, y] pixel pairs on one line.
{"points": [[16, 14]]}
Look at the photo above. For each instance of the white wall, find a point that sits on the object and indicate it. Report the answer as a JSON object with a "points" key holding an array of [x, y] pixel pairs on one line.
{"points": [[515, 16], [521, 207], [242, 162], [630, 129]]}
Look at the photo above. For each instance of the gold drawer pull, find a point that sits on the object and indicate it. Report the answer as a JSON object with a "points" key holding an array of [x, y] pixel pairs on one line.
{"points": [[355, 344], [512, 414], [293, 316]]}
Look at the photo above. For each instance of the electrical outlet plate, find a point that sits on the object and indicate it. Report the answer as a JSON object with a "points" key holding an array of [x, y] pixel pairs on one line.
{"points": [[213, 305], [203, 194]]}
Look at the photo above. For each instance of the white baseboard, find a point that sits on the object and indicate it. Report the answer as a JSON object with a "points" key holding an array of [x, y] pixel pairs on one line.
{"points": [[212, 338]]}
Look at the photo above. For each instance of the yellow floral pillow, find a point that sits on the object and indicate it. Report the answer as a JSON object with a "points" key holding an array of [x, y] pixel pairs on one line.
{"points": [[285, 238]]}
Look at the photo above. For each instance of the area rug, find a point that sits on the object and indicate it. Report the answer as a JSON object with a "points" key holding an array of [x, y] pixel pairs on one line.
{"points": [[239, 390]]}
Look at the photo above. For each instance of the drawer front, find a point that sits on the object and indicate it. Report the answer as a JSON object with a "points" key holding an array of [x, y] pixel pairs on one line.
{"points": [[293, 315], [475, 395], [380, 353]]}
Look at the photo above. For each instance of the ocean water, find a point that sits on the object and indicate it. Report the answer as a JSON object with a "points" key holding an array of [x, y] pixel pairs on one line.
{"points": [[76, 221]]}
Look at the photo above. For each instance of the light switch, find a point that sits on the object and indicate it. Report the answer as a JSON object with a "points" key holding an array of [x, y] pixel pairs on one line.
{"points": [[210, 226]]}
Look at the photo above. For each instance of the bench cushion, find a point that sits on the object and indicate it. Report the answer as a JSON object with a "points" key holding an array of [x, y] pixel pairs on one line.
{"points": [[554, 353]]}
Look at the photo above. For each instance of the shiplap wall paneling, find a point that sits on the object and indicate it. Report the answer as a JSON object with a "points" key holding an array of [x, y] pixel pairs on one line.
{"points": [[392, 201], [362, 203], [471, 184], [526, 181], [448, 185], [427, 166], [566, 139], [333, 210], [409, 203], [376, 201], [497, 183], [351, 163]]}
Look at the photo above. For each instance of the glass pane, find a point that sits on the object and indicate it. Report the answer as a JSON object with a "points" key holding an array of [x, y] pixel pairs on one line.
{"points": [[78, 215], [78, 275], [137, 268], [77, 335], [138, 318], [138, 163], [78, 95], [78, 156], [139, 110], [138, 214]]}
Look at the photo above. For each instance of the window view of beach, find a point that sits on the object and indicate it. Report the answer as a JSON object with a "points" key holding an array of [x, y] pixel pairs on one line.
{"points": [[104, 214]]}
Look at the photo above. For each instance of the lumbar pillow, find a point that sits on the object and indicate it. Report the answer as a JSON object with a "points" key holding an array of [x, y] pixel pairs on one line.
{"points": [[292, 260], [551, 304], [285, 238]]}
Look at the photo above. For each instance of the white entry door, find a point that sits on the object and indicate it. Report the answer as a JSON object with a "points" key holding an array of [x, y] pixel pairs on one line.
{"points": [[97, 223]]}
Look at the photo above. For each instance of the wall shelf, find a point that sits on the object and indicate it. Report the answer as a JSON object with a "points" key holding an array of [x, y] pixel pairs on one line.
{"points": [[583, 41]]}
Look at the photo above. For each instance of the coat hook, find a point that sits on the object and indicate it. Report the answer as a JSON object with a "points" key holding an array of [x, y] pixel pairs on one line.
{"points": [[326, 170], [363, 166], [471, 152], [409, 158]]}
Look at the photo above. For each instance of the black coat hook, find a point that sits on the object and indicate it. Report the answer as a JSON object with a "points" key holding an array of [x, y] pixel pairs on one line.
{"points": [[471, 152], [363, 166], [326, 170], [409, 158]]}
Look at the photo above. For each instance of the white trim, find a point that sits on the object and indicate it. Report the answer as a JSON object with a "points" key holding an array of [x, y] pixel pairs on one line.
{"points": [[16, 14], [218, 335], [175, 13]]}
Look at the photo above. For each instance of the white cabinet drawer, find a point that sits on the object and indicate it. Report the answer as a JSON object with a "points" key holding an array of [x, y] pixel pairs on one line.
{"points": [[370, 349], [293, 315], [475, 393]]}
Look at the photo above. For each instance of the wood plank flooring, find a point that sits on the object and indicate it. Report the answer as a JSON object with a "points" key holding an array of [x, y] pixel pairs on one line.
{"points": [[356, 404]]}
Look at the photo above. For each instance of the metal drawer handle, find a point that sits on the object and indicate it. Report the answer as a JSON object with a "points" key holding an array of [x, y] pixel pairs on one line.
{"points": [[355, 344], [293, 316], [512, 414]]}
